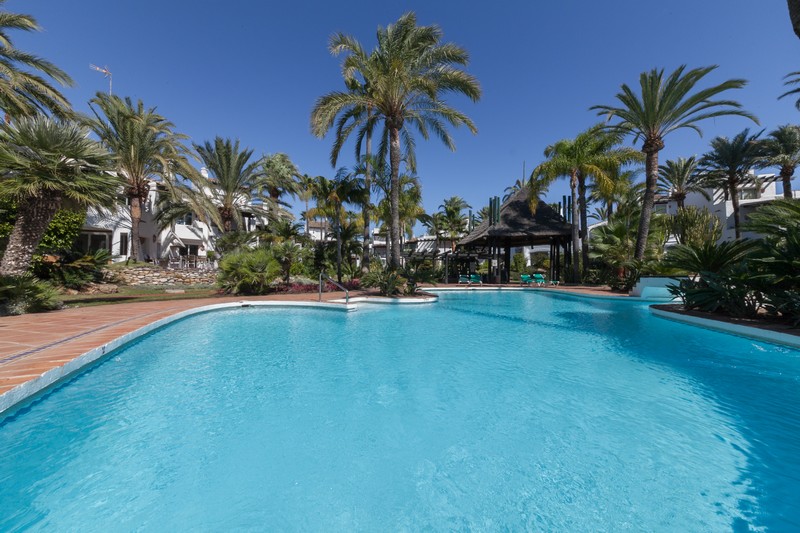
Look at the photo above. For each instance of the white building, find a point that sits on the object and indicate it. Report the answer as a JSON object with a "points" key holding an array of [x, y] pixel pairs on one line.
{"points": [[185, 243]]}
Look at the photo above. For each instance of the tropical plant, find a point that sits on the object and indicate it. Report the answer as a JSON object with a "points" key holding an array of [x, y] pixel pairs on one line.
{"points": [[25, 86], [693, 226], [144, 147], [44, 162], [666, 105], [331, 196], [406, 76], [232, 191], [278, 177], [26, 294], [679, 178], [288, 254], [248, 271], [74, 270], [727, 164], [511, 190], [614, 190], [793, 78], [416, 273], [594, 153], [388, 282], [782, 149], [454, 221]]}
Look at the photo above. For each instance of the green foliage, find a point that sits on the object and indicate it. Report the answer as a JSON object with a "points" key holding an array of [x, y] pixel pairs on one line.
{"points": [[518, 263], [288, 254], [388, 282], [416, 273], [63, 231], [694, 226], [74, 270], [234, 242], [26, 294], [248, 272], [709, 256]]}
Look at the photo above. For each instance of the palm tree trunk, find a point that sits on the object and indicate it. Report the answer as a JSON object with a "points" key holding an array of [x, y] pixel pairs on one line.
{"points": [[365, 209], [33, 217], [733, 188], [786, 177], [136, 218], [584, 234], [576, 271], [651, 182], [337, 228], [394, 197]]}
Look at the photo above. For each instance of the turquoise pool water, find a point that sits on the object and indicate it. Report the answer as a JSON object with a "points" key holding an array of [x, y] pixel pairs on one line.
{"points": [[484, 411]]}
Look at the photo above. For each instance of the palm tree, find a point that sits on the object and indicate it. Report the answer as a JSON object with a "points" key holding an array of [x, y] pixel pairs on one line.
{"points": [[408, 72], [793, 78], [729, 162], [794, 15], [43, 163], [279, 177], [592, 154], [455, 223], [23, 89], [331, 195], [511, 190], [666, 105], [234, 184], [144, 148], [782, 149], [613, 190], [679, 178]]}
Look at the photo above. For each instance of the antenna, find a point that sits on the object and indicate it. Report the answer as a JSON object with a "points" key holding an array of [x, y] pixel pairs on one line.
{"points": [[106, 74]]}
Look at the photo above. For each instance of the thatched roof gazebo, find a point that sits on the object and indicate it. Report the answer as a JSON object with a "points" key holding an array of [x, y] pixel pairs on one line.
{"points": [[518, 226]]}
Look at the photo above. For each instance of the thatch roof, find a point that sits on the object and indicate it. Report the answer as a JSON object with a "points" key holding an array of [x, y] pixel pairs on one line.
{"points": [[518, 226]]}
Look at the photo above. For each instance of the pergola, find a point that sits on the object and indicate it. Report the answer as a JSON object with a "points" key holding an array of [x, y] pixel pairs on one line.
{"points": [[518, 226]]}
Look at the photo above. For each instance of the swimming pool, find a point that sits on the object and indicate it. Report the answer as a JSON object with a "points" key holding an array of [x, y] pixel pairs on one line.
{"points": [[486, 410]]}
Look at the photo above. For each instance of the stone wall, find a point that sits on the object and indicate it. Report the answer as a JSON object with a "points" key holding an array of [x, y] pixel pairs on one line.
{"points": [[159, 276]]}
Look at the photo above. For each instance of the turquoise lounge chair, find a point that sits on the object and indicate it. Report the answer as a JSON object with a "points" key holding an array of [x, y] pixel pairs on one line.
{"points": [[470, 279], [540, 280], [525, 279]]}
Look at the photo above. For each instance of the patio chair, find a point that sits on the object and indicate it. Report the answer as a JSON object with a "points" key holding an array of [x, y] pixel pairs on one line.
{"points": [[475, 278], [539, 280], [525, 279], [463, 279]]}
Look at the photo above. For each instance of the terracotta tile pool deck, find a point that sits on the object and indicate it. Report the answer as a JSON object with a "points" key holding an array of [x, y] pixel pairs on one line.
{"points": [[32, 344]]}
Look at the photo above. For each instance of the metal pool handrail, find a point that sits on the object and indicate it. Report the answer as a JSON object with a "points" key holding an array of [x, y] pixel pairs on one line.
{"points": [[323, 275]]}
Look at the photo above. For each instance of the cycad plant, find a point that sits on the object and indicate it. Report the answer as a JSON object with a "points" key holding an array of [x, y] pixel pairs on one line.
{"points": [[43, 163]]}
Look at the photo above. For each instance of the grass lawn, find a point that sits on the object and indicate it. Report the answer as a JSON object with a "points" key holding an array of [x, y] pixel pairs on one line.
{"points": [[137, 294]]}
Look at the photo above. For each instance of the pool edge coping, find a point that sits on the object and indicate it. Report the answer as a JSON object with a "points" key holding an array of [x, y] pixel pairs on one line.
{"points": [[740, 330]]}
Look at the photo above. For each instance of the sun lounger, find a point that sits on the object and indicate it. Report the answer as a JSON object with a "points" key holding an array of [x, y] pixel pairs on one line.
{"points": [[525, 279], [470, 279]]}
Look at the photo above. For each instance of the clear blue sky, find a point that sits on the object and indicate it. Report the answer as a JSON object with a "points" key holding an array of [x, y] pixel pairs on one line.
{"points": [[253, 70]]}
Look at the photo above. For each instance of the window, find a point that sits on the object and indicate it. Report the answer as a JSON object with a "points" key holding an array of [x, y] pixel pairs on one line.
{"points": [[91, 241], [185, 220], [123, 244]]}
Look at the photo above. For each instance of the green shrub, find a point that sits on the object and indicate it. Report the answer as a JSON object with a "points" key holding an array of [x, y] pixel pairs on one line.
{"points": [[388, 282], [248, 272], [26, 294], [73, 270]]}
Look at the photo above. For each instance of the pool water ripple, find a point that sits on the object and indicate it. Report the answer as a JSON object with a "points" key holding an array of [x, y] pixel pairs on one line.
{"points": [[488, 411]]}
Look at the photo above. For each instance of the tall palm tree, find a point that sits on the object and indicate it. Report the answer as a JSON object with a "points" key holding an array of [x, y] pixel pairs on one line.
{"points": [[233, 189], [666, 105], [782, 149], [727, 164], [43, 163], [408, 73], [144, 147], [680, 177], [794, 15], [511, 190], [24, 86], [331, 196], [594, 153]]}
